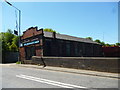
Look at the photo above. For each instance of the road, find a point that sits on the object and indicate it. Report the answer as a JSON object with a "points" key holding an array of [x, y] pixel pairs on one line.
{"points": [[22, 77]]}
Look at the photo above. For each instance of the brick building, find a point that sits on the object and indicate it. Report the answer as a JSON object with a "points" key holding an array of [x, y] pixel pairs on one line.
{"points": [[36, 42], [111, 51]]}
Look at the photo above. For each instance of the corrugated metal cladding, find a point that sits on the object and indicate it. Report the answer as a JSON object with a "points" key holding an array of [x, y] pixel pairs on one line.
{"points": [[36, 42]]}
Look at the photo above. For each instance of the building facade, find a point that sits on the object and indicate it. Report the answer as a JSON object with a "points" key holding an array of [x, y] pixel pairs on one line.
{"points": [[111, 51], [36, 42]]}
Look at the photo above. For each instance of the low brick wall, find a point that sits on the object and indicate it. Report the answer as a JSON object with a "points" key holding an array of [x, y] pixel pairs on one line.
{"points": [[87, 63]]}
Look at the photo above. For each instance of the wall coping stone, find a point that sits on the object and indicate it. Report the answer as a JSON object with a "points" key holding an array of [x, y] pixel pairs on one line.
{"points": [[104, 58]]}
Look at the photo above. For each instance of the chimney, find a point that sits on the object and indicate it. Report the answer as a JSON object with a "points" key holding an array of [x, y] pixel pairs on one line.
{"points": [[36, 28], [54, 34]]}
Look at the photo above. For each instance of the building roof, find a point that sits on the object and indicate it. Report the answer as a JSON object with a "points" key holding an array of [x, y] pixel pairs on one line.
{"points": [[68, 37]]}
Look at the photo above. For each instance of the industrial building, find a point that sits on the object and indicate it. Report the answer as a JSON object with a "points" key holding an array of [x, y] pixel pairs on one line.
{"points": [[36, 42], [111, 51]]}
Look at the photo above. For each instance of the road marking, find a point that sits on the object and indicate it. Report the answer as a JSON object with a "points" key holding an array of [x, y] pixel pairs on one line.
{"points": [[60, 84]]}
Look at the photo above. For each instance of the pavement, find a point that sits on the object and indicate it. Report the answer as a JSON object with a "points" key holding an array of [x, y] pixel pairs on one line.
{"points": [[68, 70]]}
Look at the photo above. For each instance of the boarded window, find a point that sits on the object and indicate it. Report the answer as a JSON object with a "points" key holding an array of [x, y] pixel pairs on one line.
{"points": [[68, 48]]}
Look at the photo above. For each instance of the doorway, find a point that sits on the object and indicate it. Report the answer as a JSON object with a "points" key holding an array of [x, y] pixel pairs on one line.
{"points": [[30, 51]]}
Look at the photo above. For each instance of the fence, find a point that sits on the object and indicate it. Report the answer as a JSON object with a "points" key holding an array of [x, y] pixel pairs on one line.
{"points": [[10, 57]]}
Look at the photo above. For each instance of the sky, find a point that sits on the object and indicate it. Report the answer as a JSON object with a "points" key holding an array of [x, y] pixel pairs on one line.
{"points": [[98, 20]]}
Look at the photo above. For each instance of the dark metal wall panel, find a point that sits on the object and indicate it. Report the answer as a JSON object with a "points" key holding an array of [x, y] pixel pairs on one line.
{"points": [[66, 48]]}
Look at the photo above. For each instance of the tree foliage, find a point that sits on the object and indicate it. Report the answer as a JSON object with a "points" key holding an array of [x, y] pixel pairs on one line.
{"points": [[8, 36], [98, 41], [103, 43], [117, 44], [15, 41], [89, 38], [50, 30], [106, 44], [9, 41], [13, 47]]}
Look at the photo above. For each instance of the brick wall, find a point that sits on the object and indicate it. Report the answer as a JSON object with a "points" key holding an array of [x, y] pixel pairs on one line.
{"points": [[30, 35], [111, 51], [22, 53], [30, 32], [87, 63]]}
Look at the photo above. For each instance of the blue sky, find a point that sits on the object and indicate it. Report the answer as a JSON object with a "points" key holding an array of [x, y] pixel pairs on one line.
{"points": [[98, 20]]}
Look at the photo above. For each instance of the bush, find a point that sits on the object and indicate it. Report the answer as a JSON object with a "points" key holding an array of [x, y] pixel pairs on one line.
{"points": [[18, 62]]}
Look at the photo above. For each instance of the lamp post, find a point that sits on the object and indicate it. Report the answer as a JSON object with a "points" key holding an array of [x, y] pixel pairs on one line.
{"points": [[19, 23]]}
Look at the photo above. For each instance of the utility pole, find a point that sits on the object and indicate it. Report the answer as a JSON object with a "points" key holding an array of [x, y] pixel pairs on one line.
{"points": [[19, 24], [103, 36]]}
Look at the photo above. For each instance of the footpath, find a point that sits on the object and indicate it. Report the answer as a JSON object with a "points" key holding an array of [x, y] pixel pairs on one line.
{"points": [[69, 70]]}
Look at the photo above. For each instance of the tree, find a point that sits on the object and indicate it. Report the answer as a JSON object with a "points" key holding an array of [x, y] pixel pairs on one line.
{"points": [[9, 41], [49, 30], [4, 44], [98, 41], [117, 44], [15, 41], [89, 38], [13, 47], [108, 44], [8, 36], [102, 43]]}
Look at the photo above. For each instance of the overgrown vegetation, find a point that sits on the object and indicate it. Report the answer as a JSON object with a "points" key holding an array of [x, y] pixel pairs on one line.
{"points": [[18, 62], [9, 41], [50, 30]]}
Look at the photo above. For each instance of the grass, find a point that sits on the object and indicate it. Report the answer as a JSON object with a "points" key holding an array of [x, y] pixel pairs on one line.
{"points": [[18, 62]]}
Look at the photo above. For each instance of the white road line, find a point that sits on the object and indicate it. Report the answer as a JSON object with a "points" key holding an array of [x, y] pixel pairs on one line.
{"points": [[44, 82], [65, 85]]}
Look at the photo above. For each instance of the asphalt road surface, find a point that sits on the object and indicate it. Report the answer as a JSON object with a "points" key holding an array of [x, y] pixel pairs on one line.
{"points": [[22, 77]]}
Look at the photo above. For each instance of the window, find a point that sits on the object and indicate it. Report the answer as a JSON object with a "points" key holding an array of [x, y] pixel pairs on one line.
{"points": [[68, 48], [76, 49]]}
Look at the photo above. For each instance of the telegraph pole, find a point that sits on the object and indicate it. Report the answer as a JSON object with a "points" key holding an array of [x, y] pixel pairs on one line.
{"points": [[19, 24]]}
